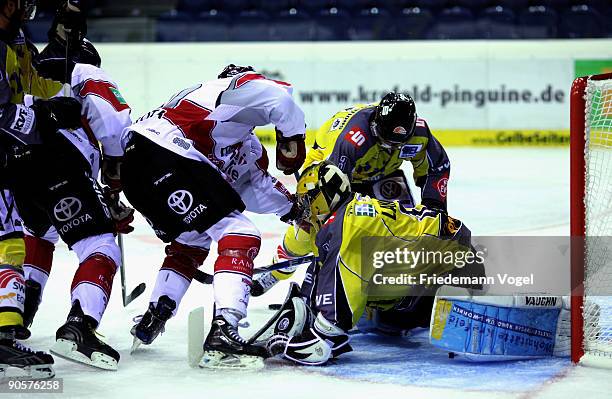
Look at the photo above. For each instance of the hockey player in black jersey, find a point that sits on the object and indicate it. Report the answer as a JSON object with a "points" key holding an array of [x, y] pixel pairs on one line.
{"points": [[21, 127], [54, 181]]}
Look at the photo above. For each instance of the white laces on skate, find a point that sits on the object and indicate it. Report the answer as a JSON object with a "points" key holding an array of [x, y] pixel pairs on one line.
{"points": [[19, 346], [233, 333], [97, 334]]}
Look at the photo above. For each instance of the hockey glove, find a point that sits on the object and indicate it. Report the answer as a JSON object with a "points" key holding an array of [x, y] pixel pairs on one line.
{"points": [[57, 113], [111, 173], [294, 213], [121, 214], [290, 153], [434, 205]]}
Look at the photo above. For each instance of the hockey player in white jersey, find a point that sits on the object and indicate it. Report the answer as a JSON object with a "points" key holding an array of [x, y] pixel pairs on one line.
{"points": [[204, 167], [58, 195]]}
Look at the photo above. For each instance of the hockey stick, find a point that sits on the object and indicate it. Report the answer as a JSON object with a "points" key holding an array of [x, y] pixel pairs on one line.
{"points": [[206, 278], [136, 292], [195, 336]]}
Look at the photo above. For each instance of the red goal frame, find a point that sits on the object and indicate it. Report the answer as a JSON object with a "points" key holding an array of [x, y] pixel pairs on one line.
{"points": [[577, 207]]}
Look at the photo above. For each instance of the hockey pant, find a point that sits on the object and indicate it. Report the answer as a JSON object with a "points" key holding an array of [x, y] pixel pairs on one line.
{"points": [[188, 204], [57, 196]]}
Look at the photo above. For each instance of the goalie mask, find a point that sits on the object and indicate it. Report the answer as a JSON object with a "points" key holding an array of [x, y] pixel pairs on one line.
{"points": [[321, 190], [394, 120]]}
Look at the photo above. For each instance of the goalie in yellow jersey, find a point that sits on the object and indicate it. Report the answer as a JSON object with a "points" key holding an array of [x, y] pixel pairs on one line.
{"points": [[342, 281], [370, 143]]}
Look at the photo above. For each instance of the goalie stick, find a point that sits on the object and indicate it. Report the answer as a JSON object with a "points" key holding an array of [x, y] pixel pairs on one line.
{"points": [[136, 292], [206, 278], [195, 336]]}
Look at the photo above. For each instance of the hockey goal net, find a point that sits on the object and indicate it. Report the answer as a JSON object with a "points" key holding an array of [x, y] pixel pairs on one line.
{"points": [[591, 219]]}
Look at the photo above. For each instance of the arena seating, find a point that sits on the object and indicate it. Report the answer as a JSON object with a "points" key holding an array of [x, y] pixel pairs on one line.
{"points": [[320, 20]]}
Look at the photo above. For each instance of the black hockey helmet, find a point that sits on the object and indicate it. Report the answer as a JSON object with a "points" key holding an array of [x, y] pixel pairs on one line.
{"points": [[394, 120], [25, 8], [28, 7], [233, 70], [51, 62]]}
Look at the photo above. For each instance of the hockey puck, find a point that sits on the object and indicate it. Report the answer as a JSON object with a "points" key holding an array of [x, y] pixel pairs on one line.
{"points": [[451, 355], [275, 306]]}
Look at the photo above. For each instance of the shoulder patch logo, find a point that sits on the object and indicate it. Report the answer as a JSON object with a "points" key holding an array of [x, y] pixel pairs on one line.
{"points": [[442, 186], [356, 137], [106, 91], [336, 124], [365, 210], [410, 151], [117, 95], [331, 219]]}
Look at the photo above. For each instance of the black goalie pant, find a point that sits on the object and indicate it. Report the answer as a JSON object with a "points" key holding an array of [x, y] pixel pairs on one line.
{"points": [[53, 186], [174, 193]]}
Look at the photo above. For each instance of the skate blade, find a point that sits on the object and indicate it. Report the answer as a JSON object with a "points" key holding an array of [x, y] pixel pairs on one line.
{"points": [[135, 345], [219, 360], [69, 351], [37, 372]]}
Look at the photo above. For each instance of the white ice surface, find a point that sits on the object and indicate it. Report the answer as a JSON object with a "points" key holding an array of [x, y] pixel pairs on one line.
{"points": [[494, 191]]}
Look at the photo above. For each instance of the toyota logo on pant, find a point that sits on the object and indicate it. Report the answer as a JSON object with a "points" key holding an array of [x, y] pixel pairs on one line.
{"points": [[67, 208], [180, 201]]}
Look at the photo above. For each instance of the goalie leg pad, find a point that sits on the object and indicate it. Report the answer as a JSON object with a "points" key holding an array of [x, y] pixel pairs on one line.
{"points": [[294, 317], [318, 344], [294, 323]]}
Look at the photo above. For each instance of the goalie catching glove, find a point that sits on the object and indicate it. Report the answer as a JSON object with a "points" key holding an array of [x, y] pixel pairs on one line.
{"points": [[290, 153]]}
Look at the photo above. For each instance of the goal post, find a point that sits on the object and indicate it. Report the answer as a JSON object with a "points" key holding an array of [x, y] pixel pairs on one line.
{"points": [[591, 218]]}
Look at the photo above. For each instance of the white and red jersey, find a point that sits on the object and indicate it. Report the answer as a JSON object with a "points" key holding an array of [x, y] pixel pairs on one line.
{"points": [[104, 110], [104, 114], [213, 122]]}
